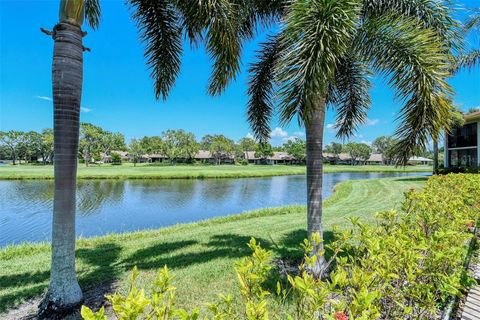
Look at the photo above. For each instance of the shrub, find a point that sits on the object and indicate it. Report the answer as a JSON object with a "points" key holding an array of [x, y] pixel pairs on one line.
{"points": [[116, 158], [241, 161], [404, 266]]}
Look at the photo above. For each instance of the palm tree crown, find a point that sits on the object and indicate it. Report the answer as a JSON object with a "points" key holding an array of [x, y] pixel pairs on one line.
{"points": [[332, 47]]}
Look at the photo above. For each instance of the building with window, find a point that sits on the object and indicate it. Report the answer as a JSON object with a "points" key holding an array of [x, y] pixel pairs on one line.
{"points": [[462, 145]]}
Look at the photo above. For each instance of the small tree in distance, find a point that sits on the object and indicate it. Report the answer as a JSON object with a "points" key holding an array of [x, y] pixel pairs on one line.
{"points": [[296, 148], [358, 151], [136, 151], [382, 145], [334, 148]]}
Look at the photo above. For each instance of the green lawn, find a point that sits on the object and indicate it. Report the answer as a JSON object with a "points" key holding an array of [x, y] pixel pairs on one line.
{"points": [[128, 171], [201, 255]]}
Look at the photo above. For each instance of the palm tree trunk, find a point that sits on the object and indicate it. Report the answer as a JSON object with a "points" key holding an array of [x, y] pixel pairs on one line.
{"points": [[64, 295], [435, 156], [314, 140]]}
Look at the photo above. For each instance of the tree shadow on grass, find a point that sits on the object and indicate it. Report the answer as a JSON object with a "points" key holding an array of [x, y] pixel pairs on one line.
{"points": [[96, 279], [23, 279], [422, 178], [219, 246]]}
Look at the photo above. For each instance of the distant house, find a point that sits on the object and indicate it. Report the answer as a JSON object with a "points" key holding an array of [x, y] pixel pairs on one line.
{"points": [[278, 157], [419, 160], [107, 158], [462, 146], [154, 157], [345, 158], [206, 156], [375, 159]]}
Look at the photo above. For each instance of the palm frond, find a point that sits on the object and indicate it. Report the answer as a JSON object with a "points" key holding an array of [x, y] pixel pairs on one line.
{"points": [[473, 21], [193, 19], [436, 15], [92, 13], [351, 95], [468, 60], [160, 30], [317, 35], [223, 43], [261, 86], [228, 23], [417, 67]]}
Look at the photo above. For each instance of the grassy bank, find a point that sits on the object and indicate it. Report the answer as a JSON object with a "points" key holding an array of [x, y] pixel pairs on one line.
{"points": [[201, 255], [128, 171]]}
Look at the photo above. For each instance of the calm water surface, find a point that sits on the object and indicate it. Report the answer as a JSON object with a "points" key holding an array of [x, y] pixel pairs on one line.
{"points": [[106, 206]]}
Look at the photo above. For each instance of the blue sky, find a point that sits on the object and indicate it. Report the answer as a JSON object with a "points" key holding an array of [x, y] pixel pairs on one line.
{"points": [[118, 93]]}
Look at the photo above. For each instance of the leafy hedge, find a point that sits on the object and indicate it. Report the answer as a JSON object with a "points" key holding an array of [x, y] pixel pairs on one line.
{"points": [[405, 266]]}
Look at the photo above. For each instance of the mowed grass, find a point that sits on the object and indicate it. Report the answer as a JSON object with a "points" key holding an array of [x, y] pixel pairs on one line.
{"points": [[201, 255], [145, 171]]}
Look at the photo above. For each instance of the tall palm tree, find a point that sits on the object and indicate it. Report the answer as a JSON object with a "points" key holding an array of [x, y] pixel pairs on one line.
{"points": [[324, 53], [162, 26]]}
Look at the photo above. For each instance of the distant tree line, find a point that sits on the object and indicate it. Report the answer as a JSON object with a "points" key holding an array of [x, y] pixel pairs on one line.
{"points": [[177, 146], [26, 146], [361, 152]]}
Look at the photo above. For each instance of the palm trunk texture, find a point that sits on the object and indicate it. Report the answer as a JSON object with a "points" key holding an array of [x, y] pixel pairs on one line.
{"points": [[64, 295], [314, 140]]}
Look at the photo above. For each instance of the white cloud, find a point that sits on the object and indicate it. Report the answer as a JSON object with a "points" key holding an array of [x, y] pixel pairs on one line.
{"points": [[286, 139], [278, 133], [85, 109], [330, 125], [371, 122], [279, 136], [44, 98], [366, 142], [249, 135]]}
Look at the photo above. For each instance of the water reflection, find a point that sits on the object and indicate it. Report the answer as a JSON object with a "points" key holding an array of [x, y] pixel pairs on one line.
{"points": [[105, 206]]}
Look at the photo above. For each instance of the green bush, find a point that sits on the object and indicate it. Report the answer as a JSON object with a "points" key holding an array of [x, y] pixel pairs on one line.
{"points": [[241, 161], [116, 158], [404, 266]]}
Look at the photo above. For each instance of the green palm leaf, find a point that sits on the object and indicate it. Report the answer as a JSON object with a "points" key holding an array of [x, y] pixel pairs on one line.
{"points": [[317, 35], [92, 13], [160, 30], [414, 60], [350, 94], [261, 87]]}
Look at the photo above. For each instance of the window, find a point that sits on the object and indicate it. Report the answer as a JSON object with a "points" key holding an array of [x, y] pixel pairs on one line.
{"points": [[465, 136], [463, 158]]}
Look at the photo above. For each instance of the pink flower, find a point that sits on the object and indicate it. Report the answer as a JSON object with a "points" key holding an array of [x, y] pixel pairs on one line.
{"points": [[340, 315]]}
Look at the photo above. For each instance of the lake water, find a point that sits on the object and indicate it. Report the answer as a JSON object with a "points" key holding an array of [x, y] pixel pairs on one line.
{"points": [[106, 206]]}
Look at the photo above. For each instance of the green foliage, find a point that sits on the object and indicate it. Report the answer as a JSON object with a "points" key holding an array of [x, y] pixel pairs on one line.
{"points": [[405, 266], [152, 145], [179, 144], [264, 150], [219, 146], [136, 150], [384, 145], [335, 149], [327, 49], [11, 141], [358, 151], [116, 158], [296, 148], [247, 144], [95, 142]]}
